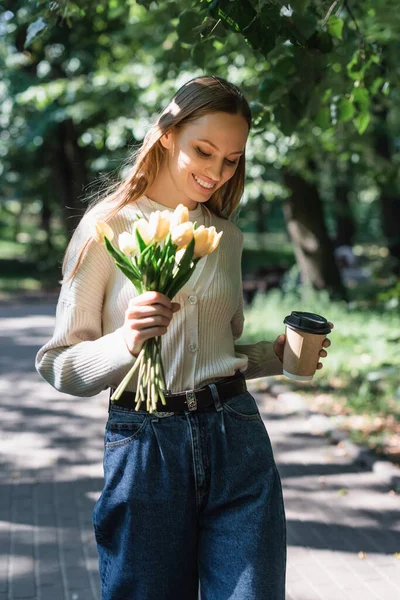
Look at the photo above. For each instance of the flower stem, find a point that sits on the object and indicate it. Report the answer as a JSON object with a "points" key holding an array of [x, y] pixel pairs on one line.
{"points": [[117, 394]]}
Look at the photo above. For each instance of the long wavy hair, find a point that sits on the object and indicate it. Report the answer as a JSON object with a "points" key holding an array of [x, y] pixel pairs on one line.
{"points": [[196, 98]]}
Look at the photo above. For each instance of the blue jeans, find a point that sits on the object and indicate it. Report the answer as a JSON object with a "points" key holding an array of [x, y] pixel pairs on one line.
{"points": [[191, 497]]}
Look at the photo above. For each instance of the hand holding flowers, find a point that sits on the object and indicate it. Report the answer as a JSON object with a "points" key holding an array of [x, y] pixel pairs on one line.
{"points": [[159, 255]]}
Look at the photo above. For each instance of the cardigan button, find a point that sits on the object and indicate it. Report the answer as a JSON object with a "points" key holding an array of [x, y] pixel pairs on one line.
{"points": [[192, 347], [193, 299]]}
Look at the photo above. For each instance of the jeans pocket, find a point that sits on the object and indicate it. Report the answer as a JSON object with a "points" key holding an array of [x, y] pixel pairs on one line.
{"points": [[242, 407], [123, 428]]}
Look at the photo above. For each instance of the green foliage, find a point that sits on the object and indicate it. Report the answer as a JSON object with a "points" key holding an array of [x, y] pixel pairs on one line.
{"points": [[100, 72], [335, 27]]}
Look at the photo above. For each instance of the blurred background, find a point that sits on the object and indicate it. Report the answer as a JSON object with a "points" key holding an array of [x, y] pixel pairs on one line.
{"points": [[81, 81]]}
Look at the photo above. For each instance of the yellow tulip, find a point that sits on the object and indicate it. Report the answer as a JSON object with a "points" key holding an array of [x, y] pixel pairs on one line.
{"points": [[143, 228], [182, 235], [206, 241], [102, 230], [159, 225], [127, 243], [201, 243], [179, 216], [215, 237]]}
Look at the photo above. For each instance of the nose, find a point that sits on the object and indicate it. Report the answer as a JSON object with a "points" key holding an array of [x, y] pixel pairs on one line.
{"points": [[214, 171]]}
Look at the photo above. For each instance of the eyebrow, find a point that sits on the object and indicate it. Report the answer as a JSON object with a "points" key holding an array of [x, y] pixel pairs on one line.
{"points": [[214, 146]]}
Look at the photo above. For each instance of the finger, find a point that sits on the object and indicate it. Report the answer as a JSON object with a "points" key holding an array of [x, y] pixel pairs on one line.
{"points": [[319, 366], [280, 341], [331, 325], [175, 307], [150, 310], [157, 321], [323, 354], [326, 343], [147, 334], [151, 298]]}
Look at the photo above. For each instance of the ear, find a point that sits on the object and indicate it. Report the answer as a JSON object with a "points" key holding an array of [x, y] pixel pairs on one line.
{"points": [[167, 139]]}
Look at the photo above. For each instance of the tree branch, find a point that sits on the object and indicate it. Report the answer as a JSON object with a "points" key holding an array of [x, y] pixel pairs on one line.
{"points": [[328, 14], [346, 4]]}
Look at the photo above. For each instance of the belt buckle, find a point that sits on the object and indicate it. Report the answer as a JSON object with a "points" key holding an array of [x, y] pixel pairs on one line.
{"points": [[191, 400]]}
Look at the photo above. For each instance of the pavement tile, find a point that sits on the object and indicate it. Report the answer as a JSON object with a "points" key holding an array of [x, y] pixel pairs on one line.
{"points": [[51, 475]]}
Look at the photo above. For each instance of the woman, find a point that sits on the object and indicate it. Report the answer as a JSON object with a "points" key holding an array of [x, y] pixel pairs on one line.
{"points": [[189, 494]]}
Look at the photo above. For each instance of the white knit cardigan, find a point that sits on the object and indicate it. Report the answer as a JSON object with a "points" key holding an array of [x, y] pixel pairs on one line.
{"points": [[87, 352]]}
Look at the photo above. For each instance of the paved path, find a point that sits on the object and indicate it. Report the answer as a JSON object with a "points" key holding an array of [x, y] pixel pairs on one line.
{"points": [[51, 475]]}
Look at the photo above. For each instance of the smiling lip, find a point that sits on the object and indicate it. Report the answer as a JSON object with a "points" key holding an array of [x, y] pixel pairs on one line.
{"points": [[206, 180]]}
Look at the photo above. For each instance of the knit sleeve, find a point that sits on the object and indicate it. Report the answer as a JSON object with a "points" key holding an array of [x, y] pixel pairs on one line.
{"points": [[79, 359], [262, 360]]}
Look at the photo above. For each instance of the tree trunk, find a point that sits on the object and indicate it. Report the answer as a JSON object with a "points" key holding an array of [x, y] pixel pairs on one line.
{"points": [[345, 227], [306, 226], [389, 196], [69, 172]]}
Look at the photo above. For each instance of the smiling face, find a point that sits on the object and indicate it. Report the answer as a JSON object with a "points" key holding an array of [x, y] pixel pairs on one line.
{"points": [[201, 157]]}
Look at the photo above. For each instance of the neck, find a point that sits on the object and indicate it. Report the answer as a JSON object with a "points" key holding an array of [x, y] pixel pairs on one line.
{"points": [[164, 192]]}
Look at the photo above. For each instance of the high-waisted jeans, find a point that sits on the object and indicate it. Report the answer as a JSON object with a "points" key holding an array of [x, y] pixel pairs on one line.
{"points": [[188, 498]]}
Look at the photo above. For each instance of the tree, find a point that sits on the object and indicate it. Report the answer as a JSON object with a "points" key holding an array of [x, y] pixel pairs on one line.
{"points": [[313, 75]]}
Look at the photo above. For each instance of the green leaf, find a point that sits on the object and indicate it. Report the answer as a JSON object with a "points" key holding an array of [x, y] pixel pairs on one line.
{"points": [[33, 30], [346, 110], [136, 282], [122, 259], [187, 257], [323, 118], [188, 20], [361, 122], [335, 27], [305, 24], [361, 98], [376, 85], [140, 241], [355, 66]]}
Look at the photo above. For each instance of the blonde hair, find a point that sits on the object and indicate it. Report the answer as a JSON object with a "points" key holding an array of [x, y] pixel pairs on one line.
{"points": [[196, 98]]}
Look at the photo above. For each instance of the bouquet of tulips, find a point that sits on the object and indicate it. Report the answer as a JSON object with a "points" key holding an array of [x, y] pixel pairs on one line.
{"points": [[159, 254]]}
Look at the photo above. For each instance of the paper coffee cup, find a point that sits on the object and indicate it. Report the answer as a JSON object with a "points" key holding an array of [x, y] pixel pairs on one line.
{"points": [[305, 334]]}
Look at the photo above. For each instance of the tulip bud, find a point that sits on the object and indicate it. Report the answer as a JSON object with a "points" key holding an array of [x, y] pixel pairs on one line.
{"points": [[201, 243], [206, 241], [179, 216], [215, 238], [127, 243], [143, 228], [159, 224], [102, 230], [182, 235]]}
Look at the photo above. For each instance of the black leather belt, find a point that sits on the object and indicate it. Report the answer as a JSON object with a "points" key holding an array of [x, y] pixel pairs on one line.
{"points": [[192, 400]]}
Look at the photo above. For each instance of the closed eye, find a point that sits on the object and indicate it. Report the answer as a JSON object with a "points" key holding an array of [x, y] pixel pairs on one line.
{"points": [[205, 155], [202, 153]]}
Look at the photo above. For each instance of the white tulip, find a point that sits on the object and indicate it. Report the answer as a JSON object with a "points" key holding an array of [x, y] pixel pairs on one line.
{"points": [[127, 243], [143, 228], [182, 235], [159, 225], [179, 216]]}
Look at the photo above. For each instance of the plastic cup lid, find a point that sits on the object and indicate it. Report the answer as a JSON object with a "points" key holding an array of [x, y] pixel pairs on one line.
{"points": [[308, 322]]}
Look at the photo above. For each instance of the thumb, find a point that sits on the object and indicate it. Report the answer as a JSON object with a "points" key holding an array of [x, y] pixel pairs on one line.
{"points": [[279, 346]]}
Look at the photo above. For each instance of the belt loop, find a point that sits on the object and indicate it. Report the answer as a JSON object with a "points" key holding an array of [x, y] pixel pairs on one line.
{"points": [[215, 395]]}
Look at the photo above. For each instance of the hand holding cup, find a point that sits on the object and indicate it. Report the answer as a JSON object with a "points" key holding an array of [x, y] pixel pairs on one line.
{"points": [[303, 344]]}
